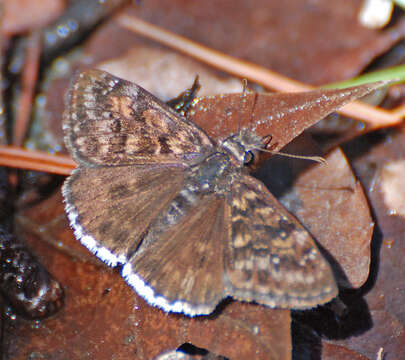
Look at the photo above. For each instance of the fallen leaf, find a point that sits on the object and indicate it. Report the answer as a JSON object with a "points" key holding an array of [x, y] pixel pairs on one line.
{"points": [[23, 15]]}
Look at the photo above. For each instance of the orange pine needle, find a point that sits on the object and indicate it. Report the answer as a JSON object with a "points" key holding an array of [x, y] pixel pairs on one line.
{"points": [[12, 156]]}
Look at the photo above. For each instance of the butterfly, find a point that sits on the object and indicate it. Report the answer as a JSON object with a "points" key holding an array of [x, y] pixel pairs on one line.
{"points": [[179, 211]]}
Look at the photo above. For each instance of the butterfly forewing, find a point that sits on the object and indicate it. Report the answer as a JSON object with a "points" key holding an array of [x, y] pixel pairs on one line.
{"points": [[112, 215], [110, 121], [270, 258]]}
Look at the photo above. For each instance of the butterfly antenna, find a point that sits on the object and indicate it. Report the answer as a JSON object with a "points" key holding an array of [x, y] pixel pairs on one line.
{"points": [[318, 159], [242, 103]]}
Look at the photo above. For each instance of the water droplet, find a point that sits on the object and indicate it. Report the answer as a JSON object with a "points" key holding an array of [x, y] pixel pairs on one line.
{"points": [[389, 242], [50, 38], [72, 24], [392, 212], [61, 66], [40, 100], [128, 339], [36, 324], [63, 31]]}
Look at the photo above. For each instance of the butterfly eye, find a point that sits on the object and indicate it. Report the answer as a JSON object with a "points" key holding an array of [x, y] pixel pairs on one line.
{"points": [[249, 157]]}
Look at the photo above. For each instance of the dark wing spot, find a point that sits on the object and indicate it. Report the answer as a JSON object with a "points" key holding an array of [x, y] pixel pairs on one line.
{"points": [[105, 227], [270, 231], [116, 125], [119, 191], [260, 251], [164, 147], [202, 261], [122, 237], [263, 277], [286, 227], [247, 275], [240, 227]]}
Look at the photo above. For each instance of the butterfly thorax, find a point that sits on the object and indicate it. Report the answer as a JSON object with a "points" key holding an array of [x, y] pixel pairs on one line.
{"points": [[241, 146], [212, 174], [216, 171]]}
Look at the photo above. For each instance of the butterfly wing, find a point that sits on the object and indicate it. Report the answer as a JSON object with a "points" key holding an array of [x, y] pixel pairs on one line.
{"points": [[270, 258], [179, 265], [109, 124], [111, 208], [111, 121], [130, 201]]}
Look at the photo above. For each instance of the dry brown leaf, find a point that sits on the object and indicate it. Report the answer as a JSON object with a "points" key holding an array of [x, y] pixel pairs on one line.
{"points": [[312, 41], [385, 289], [24, 15], [331, 203]]}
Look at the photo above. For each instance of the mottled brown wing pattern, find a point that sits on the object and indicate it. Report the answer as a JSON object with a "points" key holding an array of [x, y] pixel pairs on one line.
{"points": [[153, 192], [111, 208], [180, 267], [111, 121], [270, 258]]}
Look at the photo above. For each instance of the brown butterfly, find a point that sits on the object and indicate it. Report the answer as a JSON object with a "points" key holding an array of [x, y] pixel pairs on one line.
{"points": [[181, 213]]}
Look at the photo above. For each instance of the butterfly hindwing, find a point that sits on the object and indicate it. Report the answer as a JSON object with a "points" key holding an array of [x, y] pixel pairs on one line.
{"points": [[270, 258], [179, 266], [111, 121]]}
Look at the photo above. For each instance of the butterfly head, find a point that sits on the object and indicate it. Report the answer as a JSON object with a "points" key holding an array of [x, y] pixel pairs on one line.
{"points": [[244, 146]]}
